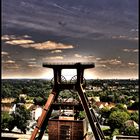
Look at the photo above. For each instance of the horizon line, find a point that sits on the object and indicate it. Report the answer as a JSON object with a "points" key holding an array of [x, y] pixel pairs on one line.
{"points": [[69, 79]]}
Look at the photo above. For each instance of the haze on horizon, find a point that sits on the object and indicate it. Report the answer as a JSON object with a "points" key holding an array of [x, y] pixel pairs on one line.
{"points": [[104, 32]]}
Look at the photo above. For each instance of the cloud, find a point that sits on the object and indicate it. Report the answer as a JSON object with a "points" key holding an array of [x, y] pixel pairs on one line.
{"points": [[132, 64], [78, 55], [9, 62], [136, 50], [48, 45], [134, 30], [125, 37], [27, 36], [134, 38], [4, 53], [101, 65], [11, 67], [32, 62], [131, 50], [115, 62], [13, 37], [33, 65], [8, 37], [19, 42], [111, 62], [56, 51], [30, 59], [126, 50], [98, 58], [53, 58], [27, 43], [89, 57]]}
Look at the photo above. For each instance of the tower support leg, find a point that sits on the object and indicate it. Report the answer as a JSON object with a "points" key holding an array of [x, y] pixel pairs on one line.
{"points": [[46, 112], [88, 112]]}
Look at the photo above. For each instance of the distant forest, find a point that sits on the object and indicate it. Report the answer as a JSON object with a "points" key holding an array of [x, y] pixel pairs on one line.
{"points": [[41, 87]]}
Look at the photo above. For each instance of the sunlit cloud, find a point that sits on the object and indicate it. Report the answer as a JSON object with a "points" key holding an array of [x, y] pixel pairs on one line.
{"points": [[115, 62], [32, 62], [48, 45], [4, 53], [111, 61], [19, 42], [126, 50], [98, 58], [29, 59], [8, 37], [99, 65], [56, 51], [9, 62], [53, 58], [78, 55], [131, 50], [89, 57], [13, 37], [132, 64], [27, 36], [136, 50], [9, 65], [33, 65]]}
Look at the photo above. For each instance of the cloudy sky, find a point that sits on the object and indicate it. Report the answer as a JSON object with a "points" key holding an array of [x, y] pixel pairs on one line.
{"points": [[101, 31]]}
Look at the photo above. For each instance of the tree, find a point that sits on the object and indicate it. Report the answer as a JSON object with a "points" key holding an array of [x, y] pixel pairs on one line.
{"points": [[131, 131], [115, 132], [121, 107], [105, 112], [21, 117], [117, 119], [7, 121], [135, 117], [39, 101]]}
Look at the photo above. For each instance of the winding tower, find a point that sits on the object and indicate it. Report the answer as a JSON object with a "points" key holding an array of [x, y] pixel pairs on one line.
{"points": [[77, 83]]}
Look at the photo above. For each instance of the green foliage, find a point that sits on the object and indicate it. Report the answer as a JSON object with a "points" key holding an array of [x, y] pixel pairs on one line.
{"points": [[21, 117], [5, 117], [119, 107], [131, 131], [18, 118], [114, 109], [104, 97], [40, 89], [117, 119], [82, 114], [39, 101], [11, 123], [33, 88], [105, 112], [7, 121], [108, 138], [135, 117], [115, 132]]}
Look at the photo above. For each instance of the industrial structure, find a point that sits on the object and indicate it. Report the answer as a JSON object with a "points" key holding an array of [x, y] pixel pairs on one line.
{"points": [[67, 126]]}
